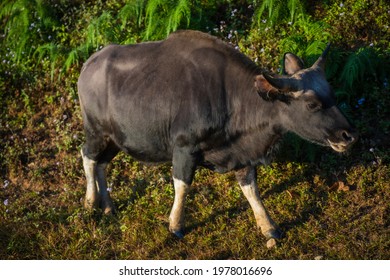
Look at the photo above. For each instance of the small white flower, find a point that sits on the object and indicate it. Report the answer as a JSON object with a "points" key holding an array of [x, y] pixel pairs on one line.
{"points": [[341, 5], [5, 184], [6, 202]]}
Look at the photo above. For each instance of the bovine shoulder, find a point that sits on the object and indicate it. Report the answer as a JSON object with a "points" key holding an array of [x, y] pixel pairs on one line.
{"points": [[200, 39]]}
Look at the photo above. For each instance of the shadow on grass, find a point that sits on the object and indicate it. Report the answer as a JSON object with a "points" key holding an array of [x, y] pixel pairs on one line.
{"points": [[182, 245]]}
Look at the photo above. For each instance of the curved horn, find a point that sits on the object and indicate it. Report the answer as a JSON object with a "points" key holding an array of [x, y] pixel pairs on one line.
{"points": [[282, 83], [321, 60]]}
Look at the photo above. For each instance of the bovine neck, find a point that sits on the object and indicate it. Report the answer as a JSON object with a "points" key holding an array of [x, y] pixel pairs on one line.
{"points": [[248, 111]]}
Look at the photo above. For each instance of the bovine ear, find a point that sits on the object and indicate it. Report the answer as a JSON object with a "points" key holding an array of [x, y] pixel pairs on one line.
{"points": [[265, 89], [262, 85], [281, 88], [292, 64]]}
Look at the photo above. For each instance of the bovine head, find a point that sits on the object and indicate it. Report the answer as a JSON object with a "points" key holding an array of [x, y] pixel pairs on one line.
{"points": [[308, 103]]}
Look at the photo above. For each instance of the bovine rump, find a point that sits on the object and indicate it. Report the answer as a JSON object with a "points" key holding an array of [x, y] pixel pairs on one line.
{"points": [[195, 101]]}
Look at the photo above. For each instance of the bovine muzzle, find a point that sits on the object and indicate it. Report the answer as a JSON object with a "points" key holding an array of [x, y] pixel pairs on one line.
{"points": [[343, 140]]}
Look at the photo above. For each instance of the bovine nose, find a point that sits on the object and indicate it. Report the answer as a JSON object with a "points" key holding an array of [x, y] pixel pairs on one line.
{"points": [[348, 136]]}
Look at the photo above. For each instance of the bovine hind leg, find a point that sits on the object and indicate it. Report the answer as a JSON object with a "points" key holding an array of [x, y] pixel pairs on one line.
{"points": [[105, 200], [95, 171], [91, 195], [247, 181]]}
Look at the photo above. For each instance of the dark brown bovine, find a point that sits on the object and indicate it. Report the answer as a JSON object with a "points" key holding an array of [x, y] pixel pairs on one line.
{"points": [[195, 101]]}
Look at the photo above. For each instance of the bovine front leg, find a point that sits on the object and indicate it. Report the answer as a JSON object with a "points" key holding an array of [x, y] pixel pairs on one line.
{"points": [[184, 165], [176, 218], [247, 181]]}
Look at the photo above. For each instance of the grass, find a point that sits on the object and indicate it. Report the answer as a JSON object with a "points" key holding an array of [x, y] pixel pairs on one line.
{"points": [[336, 207], [317, 221]]}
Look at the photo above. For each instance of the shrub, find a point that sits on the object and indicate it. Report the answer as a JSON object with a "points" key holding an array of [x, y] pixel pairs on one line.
{"points": [[278, 11], [358, 23]]}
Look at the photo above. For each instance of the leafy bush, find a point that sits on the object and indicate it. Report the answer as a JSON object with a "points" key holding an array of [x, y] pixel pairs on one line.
{"points": [[166, 16], [27, 25], [358, 23], [278, 11]]}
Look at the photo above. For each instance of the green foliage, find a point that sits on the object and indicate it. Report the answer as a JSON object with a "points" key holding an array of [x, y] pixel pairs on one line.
{"points": [[132, 16], [100, 30], [361, 66], [278, 11], [27, 25], [163, 17], [356, 23], [50, 52], [306, 38], [62, 34]]}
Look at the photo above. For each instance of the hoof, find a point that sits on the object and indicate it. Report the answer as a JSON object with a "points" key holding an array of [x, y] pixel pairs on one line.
{"points": [[178, 233], [272, 237], [108, 209], [271, 243], [90, 205]]}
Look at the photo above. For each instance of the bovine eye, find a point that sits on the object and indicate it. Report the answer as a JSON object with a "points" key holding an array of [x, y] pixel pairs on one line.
{"points": [[314, 106]]}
